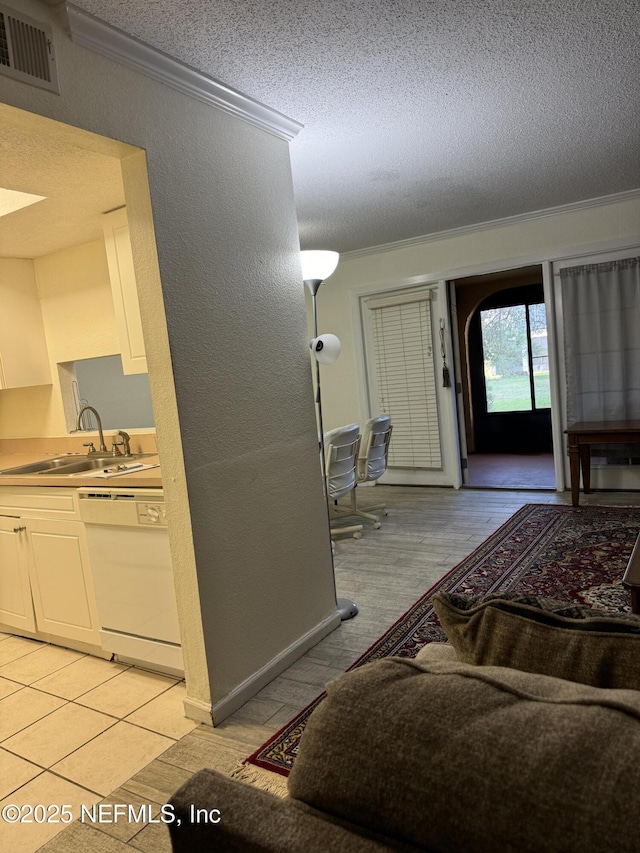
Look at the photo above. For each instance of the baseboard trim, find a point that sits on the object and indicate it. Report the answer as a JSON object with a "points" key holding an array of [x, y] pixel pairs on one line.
{"points": [[215, 714], [199, 711]]}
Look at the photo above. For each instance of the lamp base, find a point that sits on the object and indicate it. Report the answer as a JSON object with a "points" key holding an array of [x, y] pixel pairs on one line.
{"points": [[347, 609]]}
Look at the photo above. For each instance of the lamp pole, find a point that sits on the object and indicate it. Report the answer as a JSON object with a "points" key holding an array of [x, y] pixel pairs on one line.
{"points": [[346, 608]]}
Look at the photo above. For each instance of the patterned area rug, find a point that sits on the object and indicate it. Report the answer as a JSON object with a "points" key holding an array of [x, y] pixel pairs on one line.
{"points": [[567, 553]]}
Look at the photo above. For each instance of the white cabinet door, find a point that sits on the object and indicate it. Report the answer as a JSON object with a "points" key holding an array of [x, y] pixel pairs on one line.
{"points": [[24, 359], [61, 583], [16, 608], [124, 291]]}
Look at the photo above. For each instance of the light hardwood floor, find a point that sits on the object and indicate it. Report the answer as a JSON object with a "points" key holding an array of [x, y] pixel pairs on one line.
{"points": [[427, 532]]}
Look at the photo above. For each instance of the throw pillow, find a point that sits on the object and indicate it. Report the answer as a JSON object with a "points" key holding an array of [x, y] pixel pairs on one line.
{"points": [[543, 636]]}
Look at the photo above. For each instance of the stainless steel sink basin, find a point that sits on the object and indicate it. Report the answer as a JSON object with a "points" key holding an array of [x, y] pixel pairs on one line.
{"points": [[42, 465], [94, 463], [83, 464], [73, 464]]}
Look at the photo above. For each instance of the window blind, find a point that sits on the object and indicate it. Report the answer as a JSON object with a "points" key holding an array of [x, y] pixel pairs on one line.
{"points": [[404, 385]]}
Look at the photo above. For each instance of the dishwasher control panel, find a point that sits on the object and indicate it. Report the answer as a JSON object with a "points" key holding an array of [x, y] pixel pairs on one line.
{"points": [[152, 514], [123, 507]]}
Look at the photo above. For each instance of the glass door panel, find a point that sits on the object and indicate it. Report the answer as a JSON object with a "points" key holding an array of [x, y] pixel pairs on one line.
{"points": [[539, 355], [516, 363], [506, 361]]}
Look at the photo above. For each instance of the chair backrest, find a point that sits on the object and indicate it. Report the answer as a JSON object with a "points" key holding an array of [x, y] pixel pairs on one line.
{"points": [[374, 448], [341, 452]]}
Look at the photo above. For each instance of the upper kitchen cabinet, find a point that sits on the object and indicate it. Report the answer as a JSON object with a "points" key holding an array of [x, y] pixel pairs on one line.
{"points": [[23, 349], [125, 293]]}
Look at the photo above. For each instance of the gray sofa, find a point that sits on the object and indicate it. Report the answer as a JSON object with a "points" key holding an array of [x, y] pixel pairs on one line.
{"points": [[438, 755]]}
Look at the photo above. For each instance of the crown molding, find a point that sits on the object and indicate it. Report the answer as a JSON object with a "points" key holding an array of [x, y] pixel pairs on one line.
{"points": [[573, 207], [92, 33]]}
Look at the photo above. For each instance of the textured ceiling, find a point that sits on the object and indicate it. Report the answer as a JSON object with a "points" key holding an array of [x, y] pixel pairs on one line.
{"points": [[419, 116], [422, 115], [79, 184]]}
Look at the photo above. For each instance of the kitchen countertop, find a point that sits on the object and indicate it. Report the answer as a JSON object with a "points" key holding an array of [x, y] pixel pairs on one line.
{"points": [[149, 478]]}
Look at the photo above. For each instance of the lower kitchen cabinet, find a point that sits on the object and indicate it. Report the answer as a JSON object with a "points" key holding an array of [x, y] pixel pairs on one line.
{"points": [[46, 587], [16, 606], [60, 580]]}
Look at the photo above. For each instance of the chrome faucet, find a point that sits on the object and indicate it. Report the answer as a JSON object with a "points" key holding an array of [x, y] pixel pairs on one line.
{"points": [[126, 449], [103, 446]]}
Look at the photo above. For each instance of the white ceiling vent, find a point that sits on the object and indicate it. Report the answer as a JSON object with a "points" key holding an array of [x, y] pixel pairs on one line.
{"points": [[26, 50]]}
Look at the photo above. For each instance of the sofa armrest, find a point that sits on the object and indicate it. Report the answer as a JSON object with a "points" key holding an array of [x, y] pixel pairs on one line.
{"points": [[254, 821]]}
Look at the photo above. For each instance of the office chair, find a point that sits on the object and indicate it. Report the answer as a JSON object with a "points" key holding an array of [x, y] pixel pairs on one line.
{"points": [[373, 458], [341, 454], [371, 465]]}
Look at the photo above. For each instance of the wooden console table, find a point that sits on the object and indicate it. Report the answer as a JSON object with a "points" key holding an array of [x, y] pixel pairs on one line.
{"points": [[582, 435]]}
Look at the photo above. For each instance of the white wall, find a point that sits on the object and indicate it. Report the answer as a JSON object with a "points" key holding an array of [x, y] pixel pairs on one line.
{"points": [[448, 256], [237, 440], [77, 312], [79, 323]]}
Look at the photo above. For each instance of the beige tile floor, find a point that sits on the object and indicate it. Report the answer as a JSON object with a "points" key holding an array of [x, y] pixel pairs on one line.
{"points": [[83, 731], [73, 728]]}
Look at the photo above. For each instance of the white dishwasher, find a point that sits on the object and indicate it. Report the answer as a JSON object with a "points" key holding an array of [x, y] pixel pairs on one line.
{"points": [[132, 573]]}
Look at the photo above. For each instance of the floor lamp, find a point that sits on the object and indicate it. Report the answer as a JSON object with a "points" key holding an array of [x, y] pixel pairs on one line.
{"points": [[316, 267]]}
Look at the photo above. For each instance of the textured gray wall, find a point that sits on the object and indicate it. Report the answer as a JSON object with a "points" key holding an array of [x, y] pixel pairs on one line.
{"points": [[227, 244]]}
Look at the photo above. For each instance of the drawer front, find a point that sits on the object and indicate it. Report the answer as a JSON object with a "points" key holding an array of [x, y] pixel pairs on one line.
{"points": [[37, 502]]}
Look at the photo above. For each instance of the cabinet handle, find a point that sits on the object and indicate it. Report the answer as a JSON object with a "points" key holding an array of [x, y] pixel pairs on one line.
{"points": [[19, 529]]}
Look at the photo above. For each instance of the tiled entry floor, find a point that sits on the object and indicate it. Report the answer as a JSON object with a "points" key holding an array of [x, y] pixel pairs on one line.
{"points": [[73, 728], [511, 471]]}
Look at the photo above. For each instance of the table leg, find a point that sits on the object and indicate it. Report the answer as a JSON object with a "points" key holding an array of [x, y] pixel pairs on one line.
{"points": [[585, 464], [574, 467], [631, 577]]}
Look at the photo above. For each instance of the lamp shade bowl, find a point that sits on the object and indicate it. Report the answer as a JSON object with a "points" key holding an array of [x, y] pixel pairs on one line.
{"points": [[318, 264]]}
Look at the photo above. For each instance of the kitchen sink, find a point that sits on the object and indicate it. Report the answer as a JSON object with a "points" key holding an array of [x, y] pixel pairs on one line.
{"points": [[94, 463], [42, 465], [72, 464]]}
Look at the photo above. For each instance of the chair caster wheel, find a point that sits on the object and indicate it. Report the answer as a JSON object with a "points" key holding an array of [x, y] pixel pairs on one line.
{"points": [[357, 535], [376, 525]]}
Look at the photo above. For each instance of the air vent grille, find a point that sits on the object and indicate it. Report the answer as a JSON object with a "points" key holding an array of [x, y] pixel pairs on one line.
{"points": [[26, 50], [4, 45]]}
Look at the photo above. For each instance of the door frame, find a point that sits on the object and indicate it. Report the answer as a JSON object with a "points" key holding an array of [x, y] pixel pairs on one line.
{"points": [[504, 430], [557, 435], [456, 370]]}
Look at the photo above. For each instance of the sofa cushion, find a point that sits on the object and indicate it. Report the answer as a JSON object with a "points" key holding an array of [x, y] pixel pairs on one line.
{"points": [[544, 636], [455, 757]]}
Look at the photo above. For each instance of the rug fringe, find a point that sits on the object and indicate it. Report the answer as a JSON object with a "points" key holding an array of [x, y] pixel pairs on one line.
{"points": [[258, 777]]}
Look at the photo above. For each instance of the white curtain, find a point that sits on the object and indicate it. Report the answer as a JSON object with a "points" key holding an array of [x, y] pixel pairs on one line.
{"points": [[601, 309]]}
